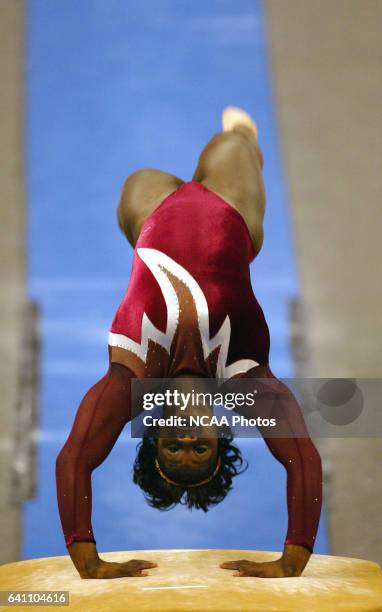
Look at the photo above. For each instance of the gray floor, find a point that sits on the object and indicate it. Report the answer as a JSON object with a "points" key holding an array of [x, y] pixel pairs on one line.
{"points": [[327, 66]]}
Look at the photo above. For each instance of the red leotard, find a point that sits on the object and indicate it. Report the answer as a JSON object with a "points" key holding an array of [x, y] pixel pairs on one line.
{"points": [[190, 298], [189, 308]]}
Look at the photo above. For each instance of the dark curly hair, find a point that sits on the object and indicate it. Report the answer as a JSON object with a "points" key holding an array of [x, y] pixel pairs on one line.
{"points": [[162, 495]]}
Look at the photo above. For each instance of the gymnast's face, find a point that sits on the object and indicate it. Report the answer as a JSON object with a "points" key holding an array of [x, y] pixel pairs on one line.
{"points": [[187, 454]]}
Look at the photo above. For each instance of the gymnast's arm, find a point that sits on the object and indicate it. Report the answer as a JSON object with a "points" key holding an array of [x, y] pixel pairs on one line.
{"points": [[302, 462], [103, 413]]}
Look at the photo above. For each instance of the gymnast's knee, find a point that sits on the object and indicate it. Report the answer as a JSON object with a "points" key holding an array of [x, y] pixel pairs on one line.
{"points": [[135, 182], [224, 147], [233, 143], [131, 189], [141, 191]]}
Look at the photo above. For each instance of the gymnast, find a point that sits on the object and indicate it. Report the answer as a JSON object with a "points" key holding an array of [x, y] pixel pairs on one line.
{"points": [[189, 310]]}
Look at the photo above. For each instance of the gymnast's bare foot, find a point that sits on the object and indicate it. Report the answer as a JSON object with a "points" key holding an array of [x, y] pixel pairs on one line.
{"points": [[234, 116]]}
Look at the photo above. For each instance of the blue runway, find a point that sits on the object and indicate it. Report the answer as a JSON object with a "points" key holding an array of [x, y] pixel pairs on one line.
{"points": [[112, 87]]}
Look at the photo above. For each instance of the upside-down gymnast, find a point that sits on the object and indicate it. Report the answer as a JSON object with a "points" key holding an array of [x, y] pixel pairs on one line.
{"points": [[189, 310]]}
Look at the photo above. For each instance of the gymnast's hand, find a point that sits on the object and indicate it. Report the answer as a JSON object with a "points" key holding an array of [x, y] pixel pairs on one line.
{"points": [[291, 564], [88, 564]]}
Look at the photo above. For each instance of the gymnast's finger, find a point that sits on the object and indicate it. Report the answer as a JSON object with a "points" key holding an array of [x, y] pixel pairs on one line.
{"points": [[141, 564], [233, 564]]}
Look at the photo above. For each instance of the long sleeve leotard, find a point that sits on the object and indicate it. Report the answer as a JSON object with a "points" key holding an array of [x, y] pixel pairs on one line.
{"points": [[189, 308]]}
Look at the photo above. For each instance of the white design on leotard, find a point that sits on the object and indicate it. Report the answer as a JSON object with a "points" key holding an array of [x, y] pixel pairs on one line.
{"points": [[158, 263]]}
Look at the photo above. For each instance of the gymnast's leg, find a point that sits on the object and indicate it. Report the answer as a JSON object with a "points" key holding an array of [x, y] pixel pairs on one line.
{"points": [[142, 193], [231, 166]]}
